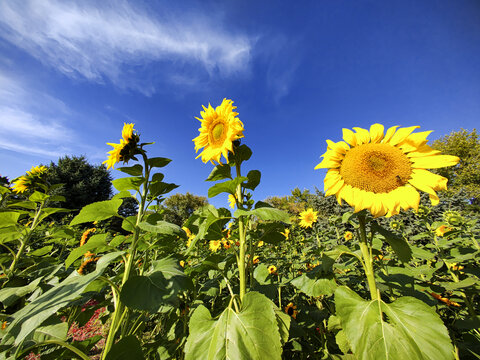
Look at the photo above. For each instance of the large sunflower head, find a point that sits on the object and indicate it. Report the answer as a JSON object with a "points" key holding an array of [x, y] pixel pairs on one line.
{"points": [[307, 218], [126, 150], [220, 127], [381, 171]]}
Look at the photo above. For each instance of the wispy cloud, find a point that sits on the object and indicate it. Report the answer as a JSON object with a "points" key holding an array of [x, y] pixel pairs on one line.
{"points": [[32, 122], [102, 40]]}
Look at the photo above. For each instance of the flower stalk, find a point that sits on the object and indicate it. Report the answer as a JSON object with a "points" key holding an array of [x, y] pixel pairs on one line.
{"points": [[367, 257]]}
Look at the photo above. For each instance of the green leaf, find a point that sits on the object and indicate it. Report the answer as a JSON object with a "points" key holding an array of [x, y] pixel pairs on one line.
{"points": [[265, 213], [229, 186], [9, 295], [128, 183], [158, 162], [8, 218], [128, 348], [122, 194], [312, 286], [53, 328], [161, 227], [4, 190], [220, 172], [97, 211], [158, 188], [49, 211], [42, 251], [95, 242], [405, 329], [38, 197], [253, 177], [398, 244], [31, 316], [242, 153], [251, 333], [160, 286], [30, 205], [135, 170]]}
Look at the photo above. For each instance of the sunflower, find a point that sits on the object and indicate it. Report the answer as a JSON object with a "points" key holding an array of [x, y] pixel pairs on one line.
{"points": [[290, 309], [220, 127], [381, 171], [127, 148], [231, 201], [441, 230], [214, 245], [307, 218], [348, 235], [30, 179], [272, 269], [190, 236], [86, 235], [256, 259], [286, 233]]}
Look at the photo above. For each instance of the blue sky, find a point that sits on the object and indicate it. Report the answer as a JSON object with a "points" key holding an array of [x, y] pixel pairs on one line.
{"points": [[71, 73]]}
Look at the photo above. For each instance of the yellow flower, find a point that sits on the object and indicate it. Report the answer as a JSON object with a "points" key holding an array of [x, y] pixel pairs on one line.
{"points": [[286, 233], [125, 150], [256, 259], [27, 181], [190, 236], [182, 263], [442, 229], [219, 128], [260, 243], [290, 309], [4, 325], [307, 218], [348, 235], [86, 235], [272, 269], [214, 245], [232, 201], [381, 171], [227, 244]]}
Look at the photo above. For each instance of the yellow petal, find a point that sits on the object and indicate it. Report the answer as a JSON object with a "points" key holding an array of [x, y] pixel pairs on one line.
{"points": [[376, 133], [401, 135], [362, 135], [436, 182], [434, 162], [349, 137], [389, 134]]}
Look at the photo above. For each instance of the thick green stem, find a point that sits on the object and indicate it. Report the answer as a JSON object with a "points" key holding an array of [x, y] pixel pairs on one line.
{"points": [[24, 242], [367, 258], [241, 234]]}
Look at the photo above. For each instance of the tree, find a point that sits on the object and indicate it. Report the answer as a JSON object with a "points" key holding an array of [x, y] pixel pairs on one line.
{"points": [[83, 183], [465, 176], [293, 204], [179, 207]]}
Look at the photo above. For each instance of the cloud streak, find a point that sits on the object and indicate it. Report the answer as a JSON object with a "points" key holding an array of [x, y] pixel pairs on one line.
{"points": [[99, 41]]}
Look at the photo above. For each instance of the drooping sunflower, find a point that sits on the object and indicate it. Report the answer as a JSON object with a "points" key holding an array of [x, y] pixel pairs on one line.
{"points": [[220, 127], [381, 171], [127, 148], [307, 218], [30, 179]]}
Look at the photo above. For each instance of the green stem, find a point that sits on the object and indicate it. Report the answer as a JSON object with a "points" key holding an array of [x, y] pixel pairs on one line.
{"points": [[24, 242], [241, 234], [72, 348], [367, 258], [118, 314]]}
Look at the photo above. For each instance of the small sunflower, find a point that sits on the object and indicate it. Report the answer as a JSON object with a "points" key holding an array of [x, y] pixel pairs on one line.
{"points": [[260, 243], [256, 260], [290, 309], [190, 236], [127, 148], [348, 235], [214, 245], [86, 235], [286, 233], [381, 171], [232, 201], [453, 218], [441, 230], [307, 218], [227, 244], [272, 269], [220, 127]]}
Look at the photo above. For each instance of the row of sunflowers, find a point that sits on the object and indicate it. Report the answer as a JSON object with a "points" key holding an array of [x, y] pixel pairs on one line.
{"points": [[388, 276]]}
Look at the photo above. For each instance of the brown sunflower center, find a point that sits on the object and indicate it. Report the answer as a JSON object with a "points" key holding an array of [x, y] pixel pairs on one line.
{"points": [[290, 311], [378, 168]]}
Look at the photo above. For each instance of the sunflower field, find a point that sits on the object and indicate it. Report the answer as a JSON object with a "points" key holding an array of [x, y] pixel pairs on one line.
{"points": [[381, 266]]}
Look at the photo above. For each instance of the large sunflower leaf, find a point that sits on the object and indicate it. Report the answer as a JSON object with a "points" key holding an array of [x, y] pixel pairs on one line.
{"points": [[398, 244], [97, 211], [251, 333], [405, 329]]}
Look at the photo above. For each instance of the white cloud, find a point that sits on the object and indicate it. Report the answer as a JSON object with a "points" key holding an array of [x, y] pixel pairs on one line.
{"points": [[101, 40], [32, 122]]}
